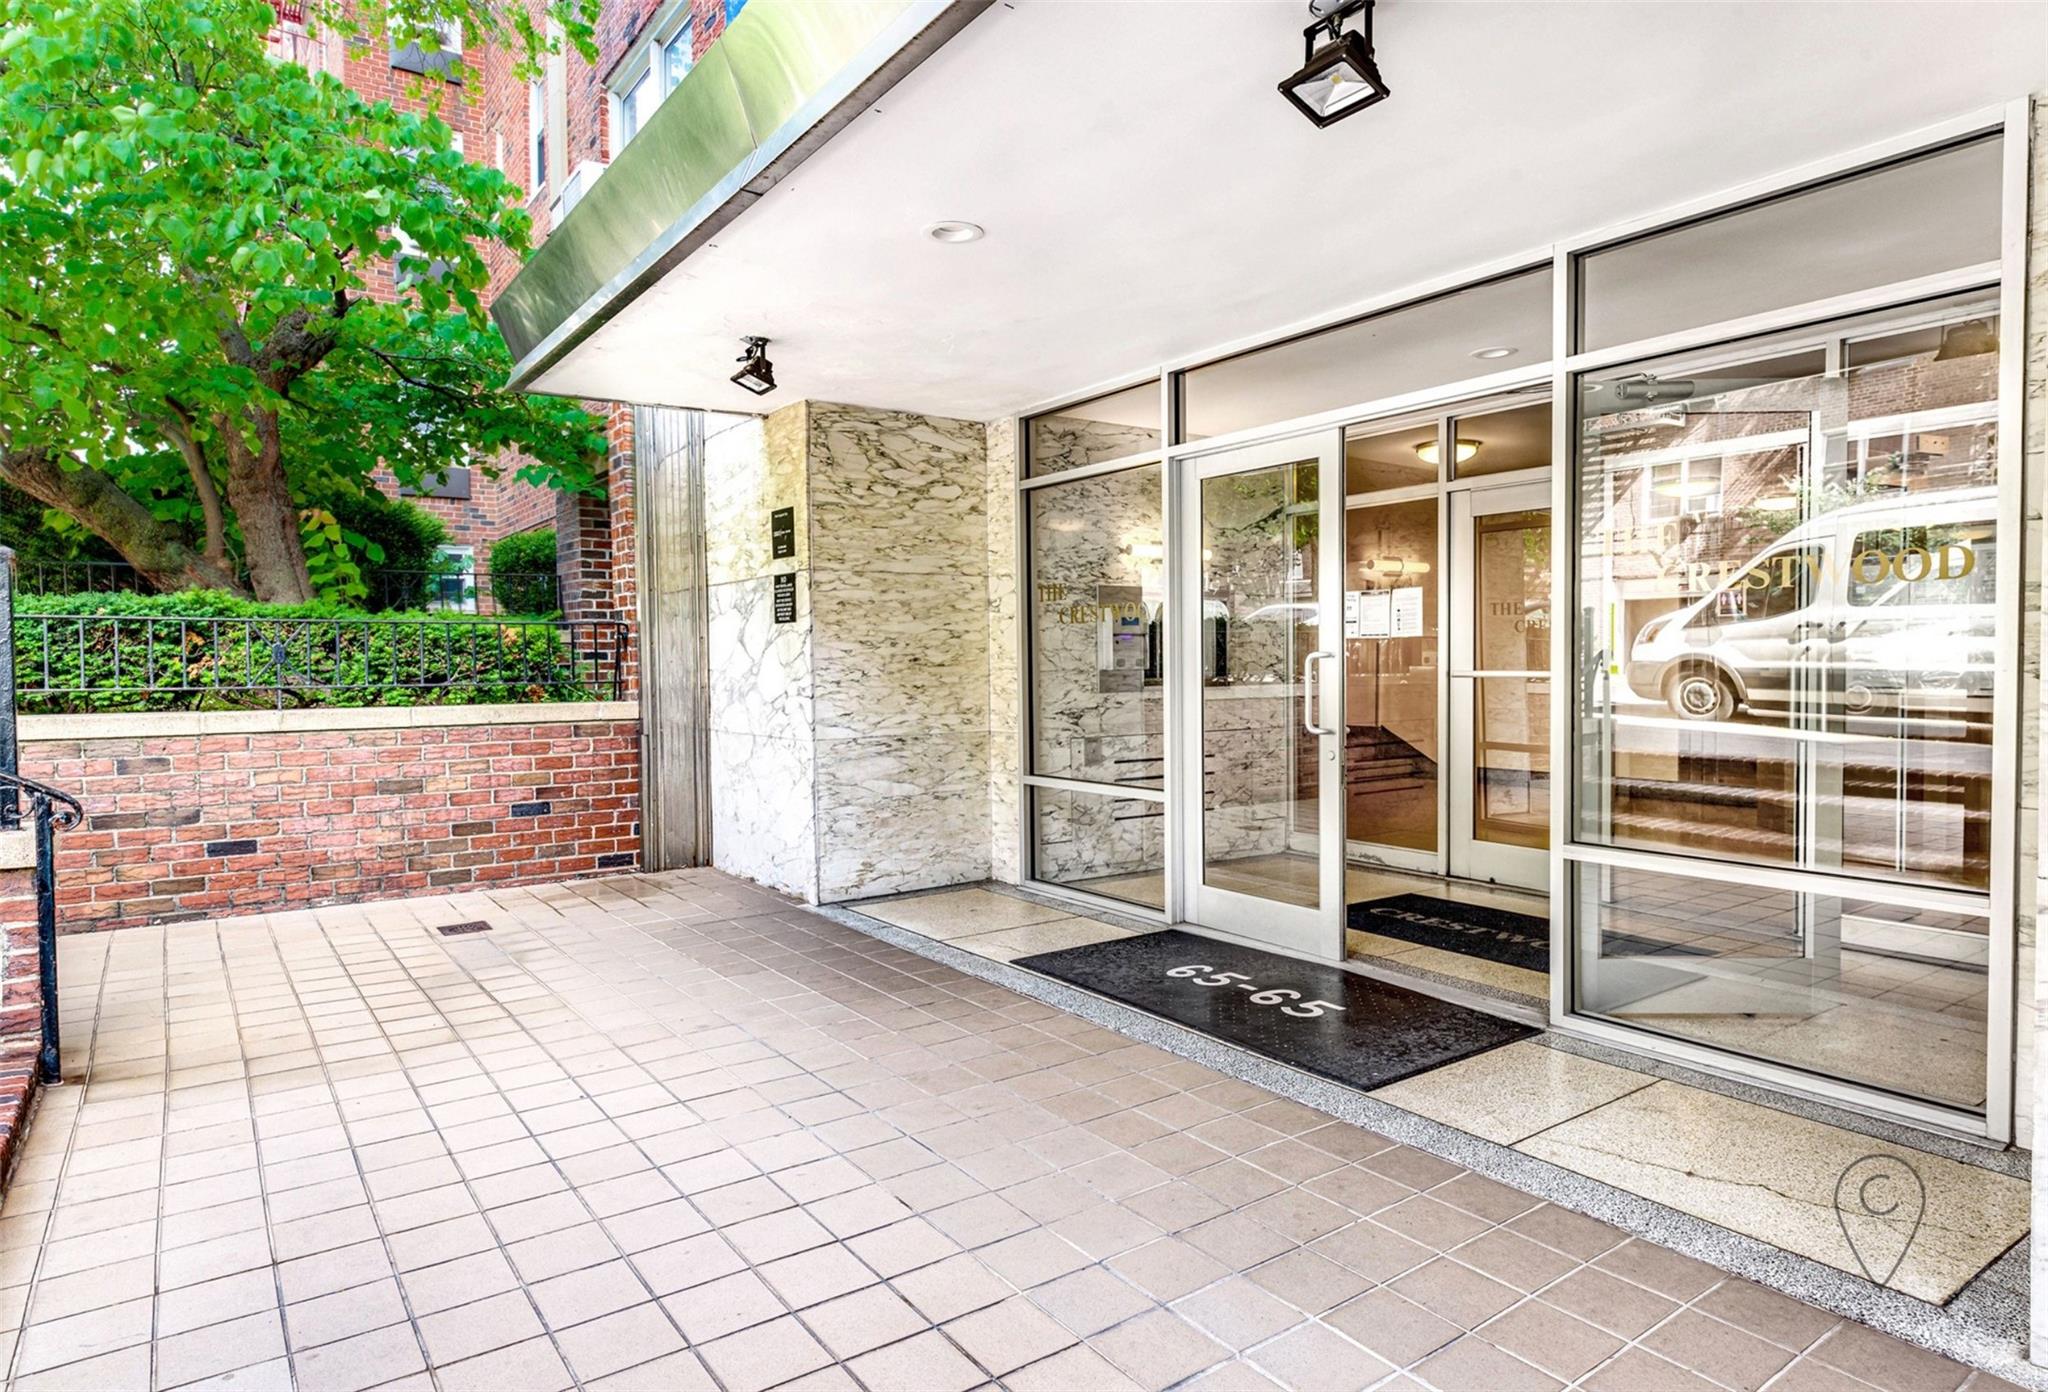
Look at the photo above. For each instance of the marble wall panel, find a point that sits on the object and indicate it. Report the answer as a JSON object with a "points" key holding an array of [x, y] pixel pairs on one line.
{"points": [[1068, 442], [760, 669], [900, 649], [897, 813], [750, 470], [896, 493], [1004, 700], [763, 825], [899, 654]]}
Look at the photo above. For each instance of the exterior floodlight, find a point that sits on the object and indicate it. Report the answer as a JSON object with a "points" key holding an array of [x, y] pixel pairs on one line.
{"points": [[756, 373], [1340, 77]]}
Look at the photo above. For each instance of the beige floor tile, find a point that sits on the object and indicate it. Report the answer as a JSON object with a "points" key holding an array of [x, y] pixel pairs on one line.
{"points": [[88, 1335], [1158, 1350], [766, 1355], [531, 1366], [715, 1075], [589, 1293], [344, 1314], [928, 1362], [1507, 1095], [1772, 1175], [367, 1360], [479, 1327], [219, 1348], [1048, 936], [612, 1344], [1006, 1336], [959, 913]]}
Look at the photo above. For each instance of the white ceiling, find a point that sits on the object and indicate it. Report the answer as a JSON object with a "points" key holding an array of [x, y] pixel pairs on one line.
{"points": [[1149, 196]]}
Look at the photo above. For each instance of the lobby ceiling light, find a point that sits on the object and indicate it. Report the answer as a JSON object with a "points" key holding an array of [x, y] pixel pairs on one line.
{"points": [[1489, 354], [756, 373], [1426, 451], [1689, 488], [1339, 77], [1783, 502], [953, 233]]}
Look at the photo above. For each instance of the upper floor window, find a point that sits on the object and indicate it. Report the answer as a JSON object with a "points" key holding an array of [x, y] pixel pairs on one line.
{"points": [[675, 57], [636, 103], [536, 137], [649, 74], [435, 55]]}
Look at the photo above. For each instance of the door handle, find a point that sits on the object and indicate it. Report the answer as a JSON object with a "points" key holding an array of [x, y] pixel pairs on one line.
{"points": [[1308, 693]]}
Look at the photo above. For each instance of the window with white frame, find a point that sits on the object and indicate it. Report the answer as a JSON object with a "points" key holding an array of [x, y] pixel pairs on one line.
{"points": [[675, 57], [536, 137], [647, 76]]}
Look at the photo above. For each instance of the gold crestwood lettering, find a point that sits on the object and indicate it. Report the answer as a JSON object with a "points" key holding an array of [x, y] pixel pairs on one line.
{"points": [[1912, 565]]}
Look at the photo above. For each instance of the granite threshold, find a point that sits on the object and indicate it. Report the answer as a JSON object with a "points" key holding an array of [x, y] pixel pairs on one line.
{"points": [[1985, 1325]]}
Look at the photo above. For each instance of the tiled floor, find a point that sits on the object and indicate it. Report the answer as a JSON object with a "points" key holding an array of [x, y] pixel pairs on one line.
{"points": [[669, 1132], [1747, 1167]]}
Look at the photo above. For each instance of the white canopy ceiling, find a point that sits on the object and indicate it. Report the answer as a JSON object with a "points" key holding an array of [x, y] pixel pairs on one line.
{"points": [[1148, 195]]}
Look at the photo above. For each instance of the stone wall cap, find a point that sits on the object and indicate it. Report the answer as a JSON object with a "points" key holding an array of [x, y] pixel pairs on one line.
{"points": [[17, 850], [157, 724]]}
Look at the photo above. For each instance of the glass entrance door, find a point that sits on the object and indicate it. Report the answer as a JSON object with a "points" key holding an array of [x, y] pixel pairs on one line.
{"points": [[1260, 533], [1500, 685]]}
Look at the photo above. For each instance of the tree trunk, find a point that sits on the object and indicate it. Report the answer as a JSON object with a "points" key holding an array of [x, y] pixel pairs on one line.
{"points": [[262, 502], [99, 504]]}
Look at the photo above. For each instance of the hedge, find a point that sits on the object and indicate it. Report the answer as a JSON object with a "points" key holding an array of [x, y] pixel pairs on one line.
{"points": [[206, 650], [523, 573]]}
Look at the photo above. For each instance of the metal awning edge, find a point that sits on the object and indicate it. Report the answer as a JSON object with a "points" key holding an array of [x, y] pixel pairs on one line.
{"points": [[897, 51]]}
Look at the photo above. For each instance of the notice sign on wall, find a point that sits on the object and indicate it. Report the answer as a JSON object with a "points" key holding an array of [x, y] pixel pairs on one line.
{"points": [[785, 597], [1371, 617], [782, 533], [1407, 607]]}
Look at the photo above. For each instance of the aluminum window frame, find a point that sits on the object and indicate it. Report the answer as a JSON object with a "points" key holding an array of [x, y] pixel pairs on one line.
{"points": [[1023, 485], [2005, 277]]}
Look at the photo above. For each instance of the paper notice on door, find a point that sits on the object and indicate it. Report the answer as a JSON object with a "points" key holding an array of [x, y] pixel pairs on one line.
{"points": [[1407, 606], [1373, 614]]}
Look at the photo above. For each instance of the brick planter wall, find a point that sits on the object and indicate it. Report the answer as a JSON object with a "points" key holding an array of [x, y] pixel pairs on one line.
{"points": [[205, 815]]}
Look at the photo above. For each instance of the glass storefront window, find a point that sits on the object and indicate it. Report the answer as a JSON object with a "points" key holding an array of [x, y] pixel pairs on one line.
{"points": [[1786, 645], [1879, 994], [1425, 344], [1115, 426], [1938, 212], [1791, 644], [1105, 845], [1097, 600]]}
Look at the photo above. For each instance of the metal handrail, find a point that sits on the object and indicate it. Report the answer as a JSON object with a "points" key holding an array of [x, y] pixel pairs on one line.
{"points": [[51, 811]]}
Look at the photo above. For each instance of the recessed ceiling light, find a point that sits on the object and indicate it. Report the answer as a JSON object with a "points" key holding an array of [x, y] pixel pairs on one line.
{"points": [[954, 232], [1491, 353]]}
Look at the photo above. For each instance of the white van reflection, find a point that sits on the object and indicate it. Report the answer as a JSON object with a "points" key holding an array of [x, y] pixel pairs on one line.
{"points": [[1880, 608]]}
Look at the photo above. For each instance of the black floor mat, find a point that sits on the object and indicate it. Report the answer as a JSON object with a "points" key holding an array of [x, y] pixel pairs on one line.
{"points": [[1498, 935], [1319, 1018]]}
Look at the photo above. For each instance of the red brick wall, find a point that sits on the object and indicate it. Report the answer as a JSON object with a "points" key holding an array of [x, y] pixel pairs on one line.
{"points": [[199, 826]]}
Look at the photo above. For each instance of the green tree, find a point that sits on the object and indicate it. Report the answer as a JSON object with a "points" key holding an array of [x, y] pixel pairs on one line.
{"points": [[190, 358]]}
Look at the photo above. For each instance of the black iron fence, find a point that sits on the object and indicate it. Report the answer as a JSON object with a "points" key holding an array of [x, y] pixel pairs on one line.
{"points": [[449, 591], [115, 662]]}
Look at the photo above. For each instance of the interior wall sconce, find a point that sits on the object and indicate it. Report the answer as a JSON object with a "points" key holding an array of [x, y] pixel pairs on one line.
{"points": [[756, 373], [1339, 77]]}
